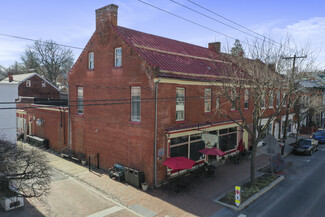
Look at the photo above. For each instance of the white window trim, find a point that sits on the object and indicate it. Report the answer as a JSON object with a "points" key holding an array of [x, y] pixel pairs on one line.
{"points": [[116, 57], [91, 60], [136, 118], [178, 106], [43, 84], [207, 92]]}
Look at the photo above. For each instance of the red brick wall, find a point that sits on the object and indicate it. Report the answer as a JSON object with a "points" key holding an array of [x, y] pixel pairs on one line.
{"points": [[53, 129], [36, 89]]}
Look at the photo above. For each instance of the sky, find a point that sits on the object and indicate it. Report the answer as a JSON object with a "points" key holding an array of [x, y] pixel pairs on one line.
{"points": [[73, 22]]}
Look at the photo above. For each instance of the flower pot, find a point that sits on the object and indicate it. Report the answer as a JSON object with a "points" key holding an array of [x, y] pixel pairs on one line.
{"points": [[144, 186], [83, 162]]}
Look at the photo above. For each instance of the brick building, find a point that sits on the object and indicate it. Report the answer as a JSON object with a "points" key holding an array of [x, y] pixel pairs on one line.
{"points": [[138, 98]]}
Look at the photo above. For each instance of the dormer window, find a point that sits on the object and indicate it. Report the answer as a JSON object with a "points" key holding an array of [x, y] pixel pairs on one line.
{"points": [[118, 57], [91, 60], [28, 83]]}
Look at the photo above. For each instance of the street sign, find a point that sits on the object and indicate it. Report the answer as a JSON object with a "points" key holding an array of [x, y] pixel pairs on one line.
{"points": [[237, 195]]}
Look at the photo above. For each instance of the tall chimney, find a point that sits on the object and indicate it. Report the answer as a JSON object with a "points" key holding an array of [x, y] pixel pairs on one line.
{"points": [[10, 76], [105, 16], [215, 46]]}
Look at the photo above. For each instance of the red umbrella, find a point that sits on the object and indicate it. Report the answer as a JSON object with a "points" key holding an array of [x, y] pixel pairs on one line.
{"points": [[179, 163], [212, 151], [241, 147]]}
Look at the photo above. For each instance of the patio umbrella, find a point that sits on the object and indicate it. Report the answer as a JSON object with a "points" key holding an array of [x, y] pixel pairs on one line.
{"points": [[241, 147], [179, 163], [212, 151]]}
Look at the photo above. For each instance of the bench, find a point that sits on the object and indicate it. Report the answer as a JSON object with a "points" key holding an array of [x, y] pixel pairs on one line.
{"points": [[117, 172], [38, 141]]}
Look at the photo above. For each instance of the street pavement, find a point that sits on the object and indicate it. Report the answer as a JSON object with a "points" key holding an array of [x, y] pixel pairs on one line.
{"points": [[78, 192]]}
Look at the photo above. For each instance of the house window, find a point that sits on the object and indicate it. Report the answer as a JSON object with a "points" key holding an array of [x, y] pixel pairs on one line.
{"points": [[91, 60], [28, 83], [228, 139], [80, 100], [233, 96], [136, 104], [180, 104], [271, 99], [43, 84], [187, 146], [263, 100], [284, 101], [278, 98], [207, 100], [118, 57], [217, 103], [246, 98]]}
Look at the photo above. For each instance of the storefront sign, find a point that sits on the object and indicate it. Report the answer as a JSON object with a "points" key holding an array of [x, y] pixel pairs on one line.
{"points": [[237, 195], [210, 139]]}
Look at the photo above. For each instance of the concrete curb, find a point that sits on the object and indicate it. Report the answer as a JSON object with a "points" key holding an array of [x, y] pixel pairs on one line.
{"points": [[251, 199]]}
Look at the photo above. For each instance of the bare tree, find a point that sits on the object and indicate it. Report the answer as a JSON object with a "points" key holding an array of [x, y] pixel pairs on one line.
{"points": [[24, 169], [49, 59], [260, 83]]}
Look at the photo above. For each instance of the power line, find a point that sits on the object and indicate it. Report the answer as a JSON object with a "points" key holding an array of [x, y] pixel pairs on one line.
{"points": [[34, 40], [229, 20], [190, 21]]}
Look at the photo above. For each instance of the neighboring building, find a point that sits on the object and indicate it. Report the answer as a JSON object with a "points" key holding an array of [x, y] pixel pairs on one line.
{"points": [[137, 98], [8, 94]]}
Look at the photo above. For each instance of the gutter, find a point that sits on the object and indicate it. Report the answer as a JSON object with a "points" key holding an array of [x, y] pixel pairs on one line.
{"points": [[156, 126]]}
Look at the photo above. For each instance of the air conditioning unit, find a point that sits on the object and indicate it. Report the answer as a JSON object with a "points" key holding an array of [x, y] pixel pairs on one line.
{"points": [[9, 203]]}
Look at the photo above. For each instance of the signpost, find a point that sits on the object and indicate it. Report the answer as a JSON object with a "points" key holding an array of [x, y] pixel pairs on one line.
{"points": [[237, 195]]}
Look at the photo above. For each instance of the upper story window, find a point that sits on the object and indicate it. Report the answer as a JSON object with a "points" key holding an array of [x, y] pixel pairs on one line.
{"points": [[180, 104], [246, 99], [118, 57], [28, 83], [263, 100], [136, 104], [284, 101], [233, 96], [271, 99], [91, 60], [207, 100], [217, 103], [278, 98], [43, 84], [80, 102]]}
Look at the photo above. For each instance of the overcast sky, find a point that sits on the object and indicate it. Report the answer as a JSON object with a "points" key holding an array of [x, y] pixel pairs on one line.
{"points": [[73, 22]]}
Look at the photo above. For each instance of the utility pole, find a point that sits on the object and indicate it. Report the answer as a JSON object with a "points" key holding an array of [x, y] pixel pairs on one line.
{"points": [[289, 99]]}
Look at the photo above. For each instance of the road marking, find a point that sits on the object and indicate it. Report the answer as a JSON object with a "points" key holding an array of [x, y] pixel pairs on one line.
{"points": [[242, 215], [106, 212]]}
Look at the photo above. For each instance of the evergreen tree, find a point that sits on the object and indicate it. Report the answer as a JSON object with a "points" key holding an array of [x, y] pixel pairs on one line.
{"points": [[237, 49]]}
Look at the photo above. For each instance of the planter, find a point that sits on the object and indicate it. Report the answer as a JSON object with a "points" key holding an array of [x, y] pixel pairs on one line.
{"points": [[83, 162], [144, 186]]}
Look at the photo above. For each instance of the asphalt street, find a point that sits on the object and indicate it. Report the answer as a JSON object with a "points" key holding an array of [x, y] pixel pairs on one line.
{"points": [[301, 193]]}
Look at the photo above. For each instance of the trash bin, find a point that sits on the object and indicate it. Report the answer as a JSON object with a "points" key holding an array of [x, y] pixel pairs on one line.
{"points": [[138, 178], [127, 174], [131, 172]]}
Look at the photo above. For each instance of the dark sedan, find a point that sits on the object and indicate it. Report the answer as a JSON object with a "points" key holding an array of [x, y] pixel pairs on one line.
{"points": [[319, 136], [305, 146]]}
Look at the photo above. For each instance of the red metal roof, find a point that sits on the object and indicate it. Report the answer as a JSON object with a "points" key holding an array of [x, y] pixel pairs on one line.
{"points": [[175, 59]]}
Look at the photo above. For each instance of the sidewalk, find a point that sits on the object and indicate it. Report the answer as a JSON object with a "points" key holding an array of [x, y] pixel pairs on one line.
{"points": [[157, 202]]}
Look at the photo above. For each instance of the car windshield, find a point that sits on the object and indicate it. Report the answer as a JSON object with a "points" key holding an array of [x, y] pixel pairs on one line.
{"points": [[304, 142], [320, 133]]}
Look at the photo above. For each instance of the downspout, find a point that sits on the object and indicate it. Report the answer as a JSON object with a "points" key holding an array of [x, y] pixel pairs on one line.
{"points": [[156, 120], [69, 120]]}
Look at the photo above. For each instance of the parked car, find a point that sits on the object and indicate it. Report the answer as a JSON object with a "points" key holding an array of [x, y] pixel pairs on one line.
{"points": [[319, 136], [305, 146]]}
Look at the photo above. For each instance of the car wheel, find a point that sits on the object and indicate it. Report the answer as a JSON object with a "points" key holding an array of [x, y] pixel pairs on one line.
{"points": [[316, 148], [311, 152]]}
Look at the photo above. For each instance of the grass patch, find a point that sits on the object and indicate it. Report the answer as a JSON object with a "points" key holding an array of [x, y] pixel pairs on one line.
{"points": [[248, 191]]}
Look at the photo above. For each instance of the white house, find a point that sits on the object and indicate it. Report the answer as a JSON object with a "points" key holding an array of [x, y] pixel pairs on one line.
{"points": [[8, 96]]}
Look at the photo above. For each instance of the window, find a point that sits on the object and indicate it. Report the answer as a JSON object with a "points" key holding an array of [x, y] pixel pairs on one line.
{"points": [[217, 103], [118, 57], [278, 98], [91, 60], [271, 99], [135, 104], [228, 139], [28, 83], [263, 100], [207, 100], [233, 95], [43, 84], [284, 101], [187, 146], [246, 99], [180, 104], [80, 100]]}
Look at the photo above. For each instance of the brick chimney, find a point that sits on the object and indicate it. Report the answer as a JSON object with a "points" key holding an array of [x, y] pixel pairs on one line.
{"points": [[215, 46], [105, 16], [10, 76]]}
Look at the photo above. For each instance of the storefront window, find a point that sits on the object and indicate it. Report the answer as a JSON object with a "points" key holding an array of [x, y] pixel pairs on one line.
{"points": [[228, 139], [194, 150], [178, 140], [179, 151]]}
